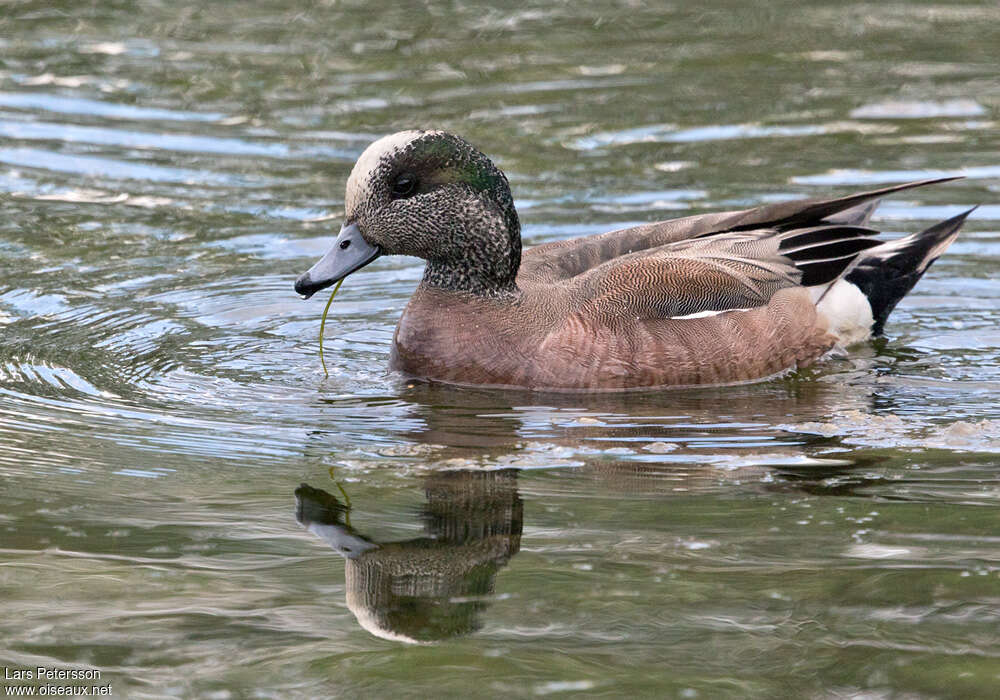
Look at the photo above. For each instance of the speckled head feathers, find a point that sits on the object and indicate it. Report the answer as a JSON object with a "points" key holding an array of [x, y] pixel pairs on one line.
{"points": [[433, 195]]}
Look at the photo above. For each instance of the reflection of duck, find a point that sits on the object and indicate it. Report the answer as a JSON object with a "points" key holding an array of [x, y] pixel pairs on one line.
{"points": [[474, 421], [674, 444], [432, 587], [717, 298]]}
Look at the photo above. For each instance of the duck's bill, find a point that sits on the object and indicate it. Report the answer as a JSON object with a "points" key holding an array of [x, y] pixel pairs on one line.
{"points": [[350, 252]]}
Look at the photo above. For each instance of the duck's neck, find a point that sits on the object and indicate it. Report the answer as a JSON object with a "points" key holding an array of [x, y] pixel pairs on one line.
{"points": [[486, 267], [459, 278]]}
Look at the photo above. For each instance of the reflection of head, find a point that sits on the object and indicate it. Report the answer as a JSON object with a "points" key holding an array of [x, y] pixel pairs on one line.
{"points": [[433, 587], [322, 514]]}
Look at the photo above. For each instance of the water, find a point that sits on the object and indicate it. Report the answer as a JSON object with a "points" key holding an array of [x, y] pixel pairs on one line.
{"points": [[165, 173]]}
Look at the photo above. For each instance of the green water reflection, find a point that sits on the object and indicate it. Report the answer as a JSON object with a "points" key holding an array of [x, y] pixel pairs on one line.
{"points": [[166, 169]]}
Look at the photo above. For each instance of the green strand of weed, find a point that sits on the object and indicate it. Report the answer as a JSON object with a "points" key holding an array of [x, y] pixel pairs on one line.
{"points": [[322, 325]]}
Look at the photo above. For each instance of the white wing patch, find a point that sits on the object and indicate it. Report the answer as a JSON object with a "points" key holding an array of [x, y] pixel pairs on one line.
{"points": [[705, 314]]}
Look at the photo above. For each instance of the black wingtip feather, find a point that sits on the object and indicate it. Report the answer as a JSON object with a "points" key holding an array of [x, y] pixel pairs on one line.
{"points": [[823, 253], [833, 249], [808, 212], [816, 272], [799, 238], [858, 215]]}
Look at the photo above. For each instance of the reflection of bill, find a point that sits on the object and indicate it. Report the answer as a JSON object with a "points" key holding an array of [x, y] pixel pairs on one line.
{"points": [[431, 587]]}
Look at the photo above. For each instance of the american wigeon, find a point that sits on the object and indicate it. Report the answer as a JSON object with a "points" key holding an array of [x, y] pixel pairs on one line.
{"points": [[709, 299]]}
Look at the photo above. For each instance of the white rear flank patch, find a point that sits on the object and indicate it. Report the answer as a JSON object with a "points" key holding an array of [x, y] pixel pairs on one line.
{"points": [[704, 314], [848, 312]]}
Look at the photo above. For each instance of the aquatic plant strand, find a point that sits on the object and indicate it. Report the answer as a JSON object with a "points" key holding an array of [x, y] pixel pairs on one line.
{"points": [[322, 325]]}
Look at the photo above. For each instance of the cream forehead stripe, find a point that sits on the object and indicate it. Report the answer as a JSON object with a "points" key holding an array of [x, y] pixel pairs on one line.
{"points": [[357, 183]]}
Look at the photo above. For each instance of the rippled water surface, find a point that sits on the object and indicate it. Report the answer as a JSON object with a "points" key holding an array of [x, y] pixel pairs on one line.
{"points": [[191, 508]]}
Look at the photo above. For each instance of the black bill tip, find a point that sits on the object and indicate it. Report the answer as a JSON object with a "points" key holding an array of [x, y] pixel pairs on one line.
{"points": [[306, 286]]}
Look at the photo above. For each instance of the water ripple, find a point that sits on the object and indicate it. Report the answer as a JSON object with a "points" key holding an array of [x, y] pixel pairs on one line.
{"points": [[115, 169], [850, 176], [64, 104], [184, 143], [166, 173], [669, 133]]}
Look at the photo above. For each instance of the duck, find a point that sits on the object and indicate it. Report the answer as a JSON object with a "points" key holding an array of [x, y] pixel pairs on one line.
{"points": [[710, 299]]}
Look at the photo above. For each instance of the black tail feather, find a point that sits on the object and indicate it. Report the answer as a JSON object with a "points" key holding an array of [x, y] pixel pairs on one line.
{"points": [[887, 272]]}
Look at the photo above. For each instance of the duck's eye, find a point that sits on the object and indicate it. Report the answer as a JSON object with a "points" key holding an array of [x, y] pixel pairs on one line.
{"points": [[404, 185]]}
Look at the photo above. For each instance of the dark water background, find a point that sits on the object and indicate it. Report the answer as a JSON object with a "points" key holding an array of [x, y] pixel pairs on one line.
{"points": [[167, 169]]}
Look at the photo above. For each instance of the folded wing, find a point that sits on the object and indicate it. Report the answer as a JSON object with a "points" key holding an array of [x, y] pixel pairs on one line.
{"points": [[726, 271], [562, 260]]}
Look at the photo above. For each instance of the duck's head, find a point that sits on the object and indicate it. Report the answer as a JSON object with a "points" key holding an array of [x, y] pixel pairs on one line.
{"points": [[430, 194]]}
